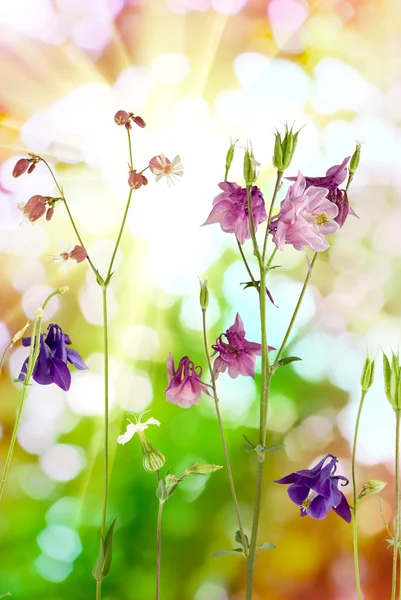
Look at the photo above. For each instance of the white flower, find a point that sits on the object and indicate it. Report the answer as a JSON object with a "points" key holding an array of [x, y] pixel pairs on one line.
{"points": [[133, 428], [163, 167]]}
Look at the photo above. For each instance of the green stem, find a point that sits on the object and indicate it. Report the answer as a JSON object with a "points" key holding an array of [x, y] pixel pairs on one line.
{"points": [[355, 498], [222, 434], [298, 305], [4, 356], [106, 410], [276, 189], [130, 149], [98, 589], [248, 268], [269, 262], [119, 235], [397, 503], [264, 399], [159, 548]]}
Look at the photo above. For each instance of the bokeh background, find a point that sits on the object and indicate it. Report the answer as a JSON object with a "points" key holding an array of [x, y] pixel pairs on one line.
{"points": [[199, 72]]}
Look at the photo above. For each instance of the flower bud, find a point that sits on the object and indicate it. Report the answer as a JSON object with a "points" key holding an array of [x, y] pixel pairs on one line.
{"points": [[204, 295], [171, 484], [373, 486], [78, 253], [35, 207], [128, 126], [250, 164], [152, 458], [20, 333], [161, 492], [49, 213], [392, 380], [139, 121], [21, 166], [197, 469], [135, 179], [354, 162], [284, 148], [121, 117], [278, 154], [229, 158], [63, 289], [31, 168], [368, 373]]}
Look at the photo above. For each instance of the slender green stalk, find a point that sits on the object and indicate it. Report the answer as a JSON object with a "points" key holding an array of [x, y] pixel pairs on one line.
{"points": [[131, 164], [248, 268], [159, 547], [4, 355], [222, 434], [355, 497], [106, 410], [276, 189], [98, 589], [397, 503], [273, 254], [298, 305]]}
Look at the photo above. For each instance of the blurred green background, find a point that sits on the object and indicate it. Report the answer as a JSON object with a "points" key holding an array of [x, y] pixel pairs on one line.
{"points": [[198, 72]]}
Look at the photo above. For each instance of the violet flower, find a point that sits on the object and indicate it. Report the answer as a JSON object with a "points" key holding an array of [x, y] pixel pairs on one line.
{"points": [[185, 384], [51, 364], [334, 177], [316, 490], [237, 354], [230, 209], [306, 216]]}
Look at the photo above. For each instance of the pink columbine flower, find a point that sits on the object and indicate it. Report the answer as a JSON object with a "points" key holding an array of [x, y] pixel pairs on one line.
{"points": [[230, 209], [306, 216], [163, 167], [237, 354], [185, 384]]}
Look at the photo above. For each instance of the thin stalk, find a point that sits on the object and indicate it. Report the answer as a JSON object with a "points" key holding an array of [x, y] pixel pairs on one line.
{"points": [[159, 548], [269, 262], [106, 410], [276, 189], [4, 356], [248, 268], [298, 305], [223, 437], [397, 503], [355, 498], [98, 589]]}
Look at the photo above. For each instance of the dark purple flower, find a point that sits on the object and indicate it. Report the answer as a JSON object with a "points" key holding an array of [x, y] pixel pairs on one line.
{"points": [[316, 490], [185, 384], [51, 364], [230, 209], [237, 354], [334, 177]]}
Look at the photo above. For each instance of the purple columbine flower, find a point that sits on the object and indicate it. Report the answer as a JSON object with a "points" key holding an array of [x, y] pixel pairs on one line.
{"points": [[334, 177], [51, 364], [185, 384], [306, 216], [237, 354], [230, 209], [316, 490]]}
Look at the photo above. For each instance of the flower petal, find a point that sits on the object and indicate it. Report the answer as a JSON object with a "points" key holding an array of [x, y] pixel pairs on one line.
{"points": [[128, 435], [298, 492], [60, 374]]}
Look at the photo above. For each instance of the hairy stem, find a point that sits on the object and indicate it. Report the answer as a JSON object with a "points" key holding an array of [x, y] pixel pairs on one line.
{"points": [[355, 498], [222, 434]]}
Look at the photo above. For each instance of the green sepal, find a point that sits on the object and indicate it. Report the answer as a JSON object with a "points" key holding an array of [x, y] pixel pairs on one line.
{"points": [[238, 538], [99, 279], [266, 546], [387, 377], [368, 373], [286, 361], [225, 552], [250, 284], [103, 564], [161, 492], [106, 283]]}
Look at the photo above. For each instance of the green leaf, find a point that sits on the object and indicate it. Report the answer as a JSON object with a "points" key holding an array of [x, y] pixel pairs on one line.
{"points": [[286, 361], [271, 448], [225, 552], [266, 546], [103, 563], [4, 595], [239, 539], [249, 284], [249, 447]]}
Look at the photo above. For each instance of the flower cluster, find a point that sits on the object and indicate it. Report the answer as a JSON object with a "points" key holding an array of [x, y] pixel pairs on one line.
{"points": [[230, 209], [51, 364], [122, 117], [316, 490], [37, 206]]}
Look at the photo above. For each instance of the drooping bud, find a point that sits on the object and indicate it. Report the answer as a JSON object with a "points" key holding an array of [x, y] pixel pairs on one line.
{"points": [[354, 162], [121, 117], [373, 486], [31, 168], [229, 158], [139, 121], [368, 373], [204, 295], [284, 148], [128, 126], [392, 380], [35, 207], [152, 458], [49, 213], [199, 469], [78, 253], [135, 179], [22, 165]]}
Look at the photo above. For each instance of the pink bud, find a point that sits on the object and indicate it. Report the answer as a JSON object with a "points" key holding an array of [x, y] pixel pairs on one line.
{"points": [[128, 125], [20, 167], [135, 179], [50, 213], [35, 208], [78, 253], [144, 180], [31, 168], [139, 121], [121, 117]]}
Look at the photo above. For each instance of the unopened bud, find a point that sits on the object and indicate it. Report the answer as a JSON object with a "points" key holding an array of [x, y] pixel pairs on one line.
{"points": [[128, 126], [206, 469], [20, 167], [161, 492], [368, 373], [139, 121], [31, 168], [278, 154], [20, 333], [49, 213], [204, 295], [392, 380], [229, 158], [250, 164], [374, 486], [171, 484], [354, 162], [284, 148]]}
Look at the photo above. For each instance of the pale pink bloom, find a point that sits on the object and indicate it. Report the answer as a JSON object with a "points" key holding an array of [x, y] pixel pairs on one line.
{"points": [[163, 167], [306, 216], [185, 384]]}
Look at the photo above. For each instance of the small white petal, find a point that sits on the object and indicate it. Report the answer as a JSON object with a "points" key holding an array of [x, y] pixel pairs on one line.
{"points": [[129, 434], [152, 421]]}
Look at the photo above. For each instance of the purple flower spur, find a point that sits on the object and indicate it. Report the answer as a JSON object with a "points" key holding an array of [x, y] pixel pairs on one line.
{"points": [[51, 364], [316, 490]]}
